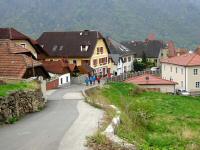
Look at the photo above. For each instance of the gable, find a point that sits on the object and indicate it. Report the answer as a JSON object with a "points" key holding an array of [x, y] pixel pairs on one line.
{"points": [[28, 46]]}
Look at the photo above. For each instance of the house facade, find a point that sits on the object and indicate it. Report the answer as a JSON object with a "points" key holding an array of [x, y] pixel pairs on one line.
{"points": [[122, 57], [153, 49], [23, 41], [183, 69], [78, 47]]}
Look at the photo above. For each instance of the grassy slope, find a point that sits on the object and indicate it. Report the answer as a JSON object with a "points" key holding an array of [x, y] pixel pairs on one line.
{"points": [[155, 120], [5, 89]]}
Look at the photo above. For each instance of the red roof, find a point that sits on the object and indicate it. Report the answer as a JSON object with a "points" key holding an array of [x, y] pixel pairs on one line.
{"points": [[184, 60], [147, 79], [56, 67], [12, 63], [13, 34]]}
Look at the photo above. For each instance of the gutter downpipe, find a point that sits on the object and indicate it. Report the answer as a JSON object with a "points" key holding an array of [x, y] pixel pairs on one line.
{"points": [[185, 78]]}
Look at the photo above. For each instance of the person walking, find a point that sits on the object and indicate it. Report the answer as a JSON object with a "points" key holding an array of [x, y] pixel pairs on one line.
{"points": [[94, 79], [86, 81], [98, 79], [91, 80]]}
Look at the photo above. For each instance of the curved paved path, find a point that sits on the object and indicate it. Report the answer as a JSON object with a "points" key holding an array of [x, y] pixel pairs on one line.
{"points": [[62, 125]]}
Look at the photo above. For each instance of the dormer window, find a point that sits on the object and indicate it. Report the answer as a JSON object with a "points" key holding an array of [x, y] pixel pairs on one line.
{"points": [[84, 48]]}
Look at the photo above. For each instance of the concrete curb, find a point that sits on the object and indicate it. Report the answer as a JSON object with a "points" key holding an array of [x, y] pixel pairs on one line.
{"points": [[109, 132]]}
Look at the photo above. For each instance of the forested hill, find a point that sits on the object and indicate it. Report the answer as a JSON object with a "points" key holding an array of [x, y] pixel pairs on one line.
{"points": [[178, 20]]}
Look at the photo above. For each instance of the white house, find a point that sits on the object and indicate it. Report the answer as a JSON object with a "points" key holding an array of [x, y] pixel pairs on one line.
{"points": [[121, 57], [58, 70], [183, 69]]}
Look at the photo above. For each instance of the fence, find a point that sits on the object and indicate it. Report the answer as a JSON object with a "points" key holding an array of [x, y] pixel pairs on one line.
{"points": [[128, 75], [52, 84]]}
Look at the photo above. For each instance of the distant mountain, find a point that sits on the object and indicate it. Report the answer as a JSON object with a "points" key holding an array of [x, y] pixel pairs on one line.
{"points": [[178, 20]]}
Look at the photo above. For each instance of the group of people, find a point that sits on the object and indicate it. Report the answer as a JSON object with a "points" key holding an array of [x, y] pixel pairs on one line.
{"points": [[91, 80]]}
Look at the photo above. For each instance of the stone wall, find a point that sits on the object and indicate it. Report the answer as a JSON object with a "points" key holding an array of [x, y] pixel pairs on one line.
{"points": [[19, 103]]}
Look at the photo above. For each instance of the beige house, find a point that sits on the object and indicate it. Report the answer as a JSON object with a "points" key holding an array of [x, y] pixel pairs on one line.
{"points": [[153, 83], [78, 47], [184, 69]]}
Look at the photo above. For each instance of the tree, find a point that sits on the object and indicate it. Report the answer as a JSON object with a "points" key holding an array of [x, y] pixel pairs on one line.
{"points": [[144, 58], [138, 66]]}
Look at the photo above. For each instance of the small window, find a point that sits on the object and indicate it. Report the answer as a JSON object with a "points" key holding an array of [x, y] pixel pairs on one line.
{"points": [[98, 50], [129, 59], [61, 81], [197, 84], [171, 68], [95, 62], [23, 45], [84, 48], [125, 59], [55, 48], [101, 50], [195, 71], [74, 62], [67, 79], [61, 48], [176, 70], [181, 71]]}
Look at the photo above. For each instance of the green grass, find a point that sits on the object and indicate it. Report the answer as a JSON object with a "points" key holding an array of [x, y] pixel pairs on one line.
{"points": [[5, 89], [154, 120]]}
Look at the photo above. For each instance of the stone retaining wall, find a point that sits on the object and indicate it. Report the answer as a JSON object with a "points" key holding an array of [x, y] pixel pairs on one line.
{"points": [[19, 103]]}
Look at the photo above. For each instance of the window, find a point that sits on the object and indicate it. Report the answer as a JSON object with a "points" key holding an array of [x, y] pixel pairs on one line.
{"points": [[55, 48], [84, 48], [101, 50], [181, 71], [125, 59], [105, 60], [171, 69], [197, 84], [23, 45], [61, 81], [67, 79], [61, 48], [98, 50], [129, 59], [95, 62], [195, 71], [176, 70], [74, 62]]}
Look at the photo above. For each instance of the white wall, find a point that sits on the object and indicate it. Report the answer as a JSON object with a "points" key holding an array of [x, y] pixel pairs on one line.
{"points": [[128, 64], [184, 76], [64, 79], [163, 88]]}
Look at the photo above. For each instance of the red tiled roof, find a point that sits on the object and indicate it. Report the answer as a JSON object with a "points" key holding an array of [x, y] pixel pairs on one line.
{"points": [[184, 60], [148, 79], [56, 67], [13, 34], [13, 64]]}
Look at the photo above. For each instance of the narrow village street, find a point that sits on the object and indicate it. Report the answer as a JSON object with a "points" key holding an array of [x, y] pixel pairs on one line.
{"points": [[62, 125]]}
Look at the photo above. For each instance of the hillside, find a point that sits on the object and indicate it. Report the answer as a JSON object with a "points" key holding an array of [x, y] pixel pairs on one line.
{"points": [[123, 20]]}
